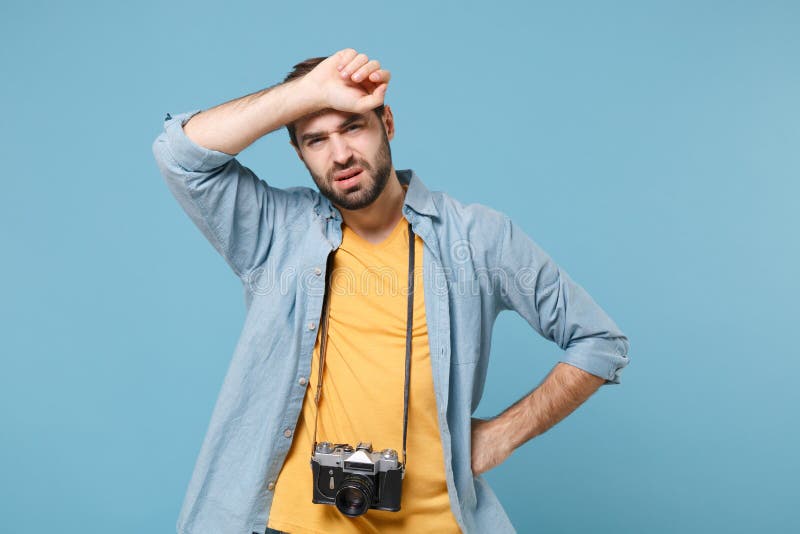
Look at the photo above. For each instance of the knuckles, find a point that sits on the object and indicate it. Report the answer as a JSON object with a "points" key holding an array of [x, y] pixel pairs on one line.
{"points": [[351, 54]]}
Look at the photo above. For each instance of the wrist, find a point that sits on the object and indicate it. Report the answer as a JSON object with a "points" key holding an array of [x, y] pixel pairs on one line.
{"points": [[310, 96], [502, 434]]}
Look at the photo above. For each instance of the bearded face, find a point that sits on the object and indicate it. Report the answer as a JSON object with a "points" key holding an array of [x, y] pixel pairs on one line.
{"points": [[351, 163]]}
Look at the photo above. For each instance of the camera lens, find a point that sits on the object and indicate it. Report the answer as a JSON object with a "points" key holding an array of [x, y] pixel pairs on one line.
{"points": [[355, 495]]}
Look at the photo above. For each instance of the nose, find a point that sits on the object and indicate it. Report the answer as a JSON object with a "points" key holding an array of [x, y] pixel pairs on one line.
{"points": [[340, 149]]}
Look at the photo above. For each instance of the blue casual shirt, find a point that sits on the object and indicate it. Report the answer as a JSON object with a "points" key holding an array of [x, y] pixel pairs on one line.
{"points": [[476, 263]]}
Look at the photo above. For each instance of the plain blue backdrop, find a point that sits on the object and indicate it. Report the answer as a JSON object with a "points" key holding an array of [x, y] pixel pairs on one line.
{"points": [[650, 147]]}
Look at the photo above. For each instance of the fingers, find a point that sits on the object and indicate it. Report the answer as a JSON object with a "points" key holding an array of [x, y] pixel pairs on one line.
{"points": [[374, 99], [366, 70], [358, 67], [351, 67], [344, 57], [380, 76]]}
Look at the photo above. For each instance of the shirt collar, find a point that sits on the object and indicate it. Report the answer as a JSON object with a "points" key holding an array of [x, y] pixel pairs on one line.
{"points": [[418, 198]]}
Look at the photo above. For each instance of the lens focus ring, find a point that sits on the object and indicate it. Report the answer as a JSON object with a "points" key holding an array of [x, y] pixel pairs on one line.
{"points": [[355, 495]]}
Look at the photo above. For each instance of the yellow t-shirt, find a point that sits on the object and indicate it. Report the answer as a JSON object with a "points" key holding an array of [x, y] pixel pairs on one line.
{"points": [[362, 394]]}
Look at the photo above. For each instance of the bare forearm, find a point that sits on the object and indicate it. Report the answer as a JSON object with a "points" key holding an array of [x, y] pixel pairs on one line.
{"points": [[345, 81], [233, 126], [564, 389]]}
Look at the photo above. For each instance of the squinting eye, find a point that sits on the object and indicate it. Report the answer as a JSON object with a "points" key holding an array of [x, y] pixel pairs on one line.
{"points": [[353, 126], [313, 142]]}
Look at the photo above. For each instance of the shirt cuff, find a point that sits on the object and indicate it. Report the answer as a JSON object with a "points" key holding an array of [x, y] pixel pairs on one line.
{"points": [[186, 152], [601, 357]]}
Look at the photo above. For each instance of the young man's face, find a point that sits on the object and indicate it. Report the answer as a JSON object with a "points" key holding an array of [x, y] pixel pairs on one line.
{"points": [[347, 154]]}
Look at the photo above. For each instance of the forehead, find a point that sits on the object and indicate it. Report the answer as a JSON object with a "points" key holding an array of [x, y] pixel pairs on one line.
{"points": [[323, 120]]}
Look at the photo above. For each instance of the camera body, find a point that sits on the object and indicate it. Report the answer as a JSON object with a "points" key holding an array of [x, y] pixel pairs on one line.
{"points": [[355, 480]]}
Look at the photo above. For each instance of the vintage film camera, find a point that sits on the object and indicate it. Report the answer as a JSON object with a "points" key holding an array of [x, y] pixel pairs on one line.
{"points": [[356, 480]]}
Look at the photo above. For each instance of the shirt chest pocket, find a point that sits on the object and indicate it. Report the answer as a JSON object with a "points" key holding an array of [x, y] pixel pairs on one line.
{"points": [[467, 326]]}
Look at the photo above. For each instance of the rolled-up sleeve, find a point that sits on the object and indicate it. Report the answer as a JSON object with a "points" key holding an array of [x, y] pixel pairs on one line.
{"points": [[188, 154], [558, 308], [230, 205]]}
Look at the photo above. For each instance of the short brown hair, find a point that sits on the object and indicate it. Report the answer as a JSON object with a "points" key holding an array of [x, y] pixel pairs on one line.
{"points": [[300, 70]]}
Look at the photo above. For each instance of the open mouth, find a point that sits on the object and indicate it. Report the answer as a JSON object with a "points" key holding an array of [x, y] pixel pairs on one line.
{"points": [[348, 179], [350, 174]]}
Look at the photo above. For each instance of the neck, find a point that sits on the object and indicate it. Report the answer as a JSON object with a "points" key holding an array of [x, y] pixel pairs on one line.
{"points": [[375, 222]]}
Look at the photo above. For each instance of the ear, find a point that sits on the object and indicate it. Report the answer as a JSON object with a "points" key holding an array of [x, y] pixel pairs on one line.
{"points": [[388, 121]]}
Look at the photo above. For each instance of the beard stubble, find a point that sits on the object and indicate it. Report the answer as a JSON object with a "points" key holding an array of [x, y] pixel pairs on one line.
{"points": [[366, 191]]}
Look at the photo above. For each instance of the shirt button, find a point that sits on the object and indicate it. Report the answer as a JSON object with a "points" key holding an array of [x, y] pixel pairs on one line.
{"points": [[271, 486], [312, 325], [302, 381], [288, 432], [317, 271]]}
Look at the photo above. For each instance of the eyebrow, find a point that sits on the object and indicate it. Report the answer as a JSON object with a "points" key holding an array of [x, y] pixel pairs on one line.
{"points": [[347, 122]]}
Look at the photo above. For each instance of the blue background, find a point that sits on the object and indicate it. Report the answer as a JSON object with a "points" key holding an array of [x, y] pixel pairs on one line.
{"points": [[650, 147]]}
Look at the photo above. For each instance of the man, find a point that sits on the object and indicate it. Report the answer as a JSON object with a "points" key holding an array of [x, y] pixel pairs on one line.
{"points": [[367, 236]]}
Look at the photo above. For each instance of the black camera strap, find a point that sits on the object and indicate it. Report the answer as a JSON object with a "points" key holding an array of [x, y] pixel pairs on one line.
{"points": [[409, 327]]}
